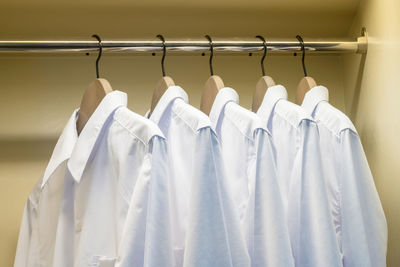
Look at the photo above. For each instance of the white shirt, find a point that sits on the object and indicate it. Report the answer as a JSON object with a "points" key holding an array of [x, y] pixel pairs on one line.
{"points": [[300, 175], [39, 221], [115, 174], [249, 162], [358, 216], [206, 228]]}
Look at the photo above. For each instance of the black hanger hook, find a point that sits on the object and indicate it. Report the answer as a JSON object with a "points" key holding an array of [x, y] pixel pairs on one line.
{"points": [[159, 36], [211, 53], [303, 50], [264, 55], [99, 56]]}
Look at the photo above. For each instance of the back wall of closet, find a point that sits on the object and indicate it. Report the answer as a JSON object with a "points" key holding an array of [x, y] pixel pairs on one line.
{"points": [[39, 92]]}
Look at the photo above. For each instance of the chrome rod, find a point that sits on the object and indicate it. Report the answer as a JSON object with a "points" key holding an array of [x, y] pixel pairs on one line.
{"points": [[220, 46]]}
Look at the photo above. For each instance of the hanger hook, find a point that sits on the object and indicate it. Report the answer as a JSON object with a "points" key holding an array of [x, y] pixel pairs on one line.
{"points": [[264, 55], [303, 50], [159, 36], [99, 56], [211, 53]]}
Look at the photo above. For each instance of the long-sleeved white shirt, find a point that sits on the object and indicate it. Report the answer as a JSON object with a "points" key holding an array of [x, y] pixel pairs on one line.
{"points": [[206, 228], [300, 174], [40, 218], [250, 166], [358, 216], [115, 191]]}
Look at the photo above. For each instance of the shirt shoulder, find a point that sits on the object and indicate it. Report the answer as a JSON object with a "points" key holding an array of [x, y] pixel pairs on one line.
{"points": [[193, 117], [137, 125], [333, 119], [292, 113], [246, 121], [35, 194]]}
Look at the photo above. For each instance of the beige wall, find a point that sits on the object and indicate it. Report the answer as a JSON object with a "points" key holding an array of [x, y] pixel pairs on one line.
{"points": [[372, 93], [41, 92], [38, 93]]}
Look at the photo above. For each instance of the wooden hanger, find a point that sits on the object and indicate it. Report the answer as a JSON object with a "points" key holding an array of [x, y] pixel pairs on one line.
{"points": [[263, 83], [212, 85], [307, 82], [93, 95], [305, 85], [210, 91], [164, 83]]}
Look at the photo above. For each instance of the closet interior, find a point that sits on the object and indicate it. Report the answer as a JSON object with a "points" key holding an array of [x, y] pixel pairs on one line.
{"points": [[48, 57]]}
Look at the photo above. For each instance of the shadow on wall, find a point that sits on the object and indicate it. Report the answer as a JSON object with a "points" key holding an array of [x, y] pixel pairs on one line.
{"points": [[14, 150], [357, 88]]}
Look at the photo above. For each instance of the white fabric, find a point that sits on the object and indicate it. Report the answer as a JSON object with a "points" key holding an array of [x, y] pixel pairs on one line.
{"points": [[300, 175], [118, 155], [358, 216], [248, 157], [206, 229], [39, 222]]}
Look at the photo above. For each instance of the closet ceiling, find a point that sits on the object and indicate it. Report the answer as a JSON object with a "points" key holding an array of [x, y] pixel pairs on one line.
{"points": [[126, 19]]}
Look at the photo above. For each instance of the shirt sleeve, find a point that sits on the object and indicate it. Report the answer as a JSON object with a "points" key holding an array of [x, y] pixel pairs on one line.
{"points": [[146, 239], [213, 236], [28, 242], [364, 228], [309, 217], [21, 256], [271, 243]]}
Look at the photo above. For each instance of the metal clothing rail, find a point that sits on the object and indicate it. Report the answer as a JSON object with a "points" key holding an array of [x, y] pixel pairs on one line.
{"points": [[200, 45]]}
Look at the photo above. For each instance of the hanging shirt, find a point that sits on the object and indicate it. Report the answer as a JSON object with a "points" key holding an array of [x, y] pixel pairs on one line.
{"points": [[39, 221], [247, 152], [358, 216], [300, 175], [206, 229], [120, 208], [115, 174]]}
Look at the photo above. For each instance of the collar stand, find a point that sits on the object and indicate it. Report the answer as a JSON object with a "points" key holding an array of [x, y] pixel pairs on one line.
{"points": [[224, 96], [271, 97], [172, 93], [314, 97], [90, 133]]}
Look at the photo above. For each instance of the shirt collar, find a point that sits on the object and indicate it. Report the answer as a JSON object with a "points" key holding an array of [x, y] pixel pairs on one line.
{"points": [[313, 97], [91, 131], [63, 149], [172, 93], [224, 96], [271, 97]]}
